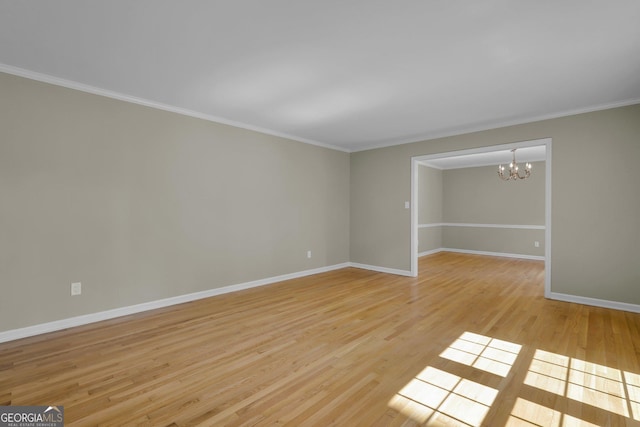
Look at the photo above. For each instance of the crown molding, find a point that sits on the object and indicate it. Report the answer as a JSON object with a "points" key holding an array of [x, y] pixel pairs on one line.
{"points": [[498, 124], [47, 78], [70, 84]]}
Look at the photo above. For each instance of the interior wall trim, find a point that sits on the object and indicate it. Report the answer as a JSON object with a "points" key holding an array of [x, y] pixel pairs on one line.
{"points": [[71, 322], [415, 162], [47, 78], [69, 84], [469, 251], [57, 325], [395, 271], [615, 305], [466, 224], [430, 252], [634, 308]]}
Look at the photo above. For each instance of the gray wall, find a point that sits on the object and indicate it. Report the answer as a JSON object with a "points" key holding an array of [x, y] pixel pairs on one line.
{"points": [[478, 196], [429, 208], [140, 204], [595, 199]]}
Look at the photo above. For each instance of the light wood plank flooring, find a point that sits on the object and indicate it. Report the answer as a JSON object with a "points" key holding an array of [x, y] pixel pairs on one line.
{"points": [[471, 341]]}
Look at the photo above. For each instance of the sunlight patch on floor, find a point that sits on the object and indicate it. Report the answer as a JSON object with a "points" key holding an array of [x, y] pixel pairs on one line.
{"points": [[596, 385], [633, 388], [529, 414], [435, 396], [484, 353]]}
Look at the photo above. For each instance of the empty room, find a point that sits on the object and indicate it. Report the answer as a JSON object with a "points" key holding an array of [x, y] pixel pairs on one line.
{"points": [[361, 213]]}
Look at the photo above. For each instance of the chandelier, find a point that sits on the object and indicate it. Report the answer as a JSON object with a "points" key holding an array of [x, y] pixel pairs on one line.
{"points": [[513, 170]]}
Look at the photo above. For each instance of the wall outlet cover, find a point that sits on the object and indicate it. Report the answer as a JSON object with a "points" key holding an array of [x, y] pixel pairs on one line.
{"points": [[76, 288]]}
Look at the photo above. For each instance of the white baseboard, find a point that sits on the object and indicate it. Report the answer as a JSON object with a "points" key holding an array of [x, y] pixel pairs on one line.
{"points": [[151, 305], [382, 269], [623, 306], [430, 252], [634, 308], [501, 254]]}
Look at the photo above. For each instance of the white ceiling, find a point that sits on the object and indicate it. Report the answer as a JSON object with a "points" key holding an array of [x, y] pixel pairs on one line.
{"points": [[351, 74]]}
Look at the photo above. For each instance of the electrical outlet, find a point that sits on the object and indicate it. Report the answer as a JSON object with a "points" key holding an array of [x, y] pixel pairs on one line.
{"points": [[76, 288], [536, 244], [308, 254]]}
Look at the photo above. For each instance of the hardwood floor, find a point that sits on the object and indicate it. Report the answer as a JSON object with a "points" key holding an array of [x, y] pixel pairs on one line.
{"points": [[463, 344]]}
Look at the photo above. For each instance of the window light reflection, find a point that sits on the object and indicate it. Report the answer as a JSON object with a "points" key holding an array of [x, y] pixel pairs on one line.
{"points": [[596, 385], [633, 388], [529, 414], [438, 397], [484, 353]]}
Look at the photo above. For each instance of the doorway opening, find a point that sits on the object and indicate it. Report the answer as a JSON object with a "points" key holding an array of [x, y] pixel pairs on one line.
{"points": [[534, 150]]}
